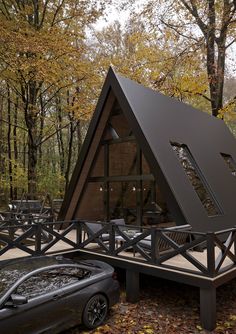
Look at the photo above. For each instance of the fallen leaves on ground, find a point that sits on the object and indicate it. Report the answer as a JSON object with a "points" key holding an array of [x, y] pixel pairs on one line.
{"points": [[167, 308]]}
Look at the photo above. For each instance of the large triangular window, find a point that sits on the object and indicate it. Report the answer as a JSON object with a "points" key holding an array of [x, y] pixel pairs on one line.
{"points": [[120, 183]]}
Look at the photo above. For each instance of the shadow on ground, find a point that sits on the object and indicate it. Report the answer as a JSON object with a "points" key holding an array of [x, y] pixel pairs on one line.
{"points": [[166, 308]]}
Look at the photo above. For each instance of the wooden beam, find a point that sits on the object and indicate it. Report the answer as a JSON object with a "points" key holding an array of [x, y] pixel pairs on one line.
{"points": [[208, 308], [132, 286]]}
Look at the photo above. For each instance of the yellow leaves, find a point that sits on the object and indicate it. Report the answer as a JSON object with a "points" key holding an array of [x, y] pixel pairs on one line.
{"points": [[224, 326], [152, 59], [106, 329], [47, 180], [148, 329], [19, 175], [48, 53], [228, 112], [43, 56], [199, 328], [232, 317]]}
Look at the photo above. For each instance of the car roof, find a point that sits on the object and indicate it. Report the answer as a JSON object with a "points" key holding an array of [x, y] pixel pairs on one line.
{"points": [[31, 263]]}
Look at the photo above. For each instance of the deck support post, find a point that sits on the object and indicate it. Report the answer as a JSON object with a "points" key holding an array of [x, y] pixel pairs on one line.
{"points": [[132, 286], [208, 308]]}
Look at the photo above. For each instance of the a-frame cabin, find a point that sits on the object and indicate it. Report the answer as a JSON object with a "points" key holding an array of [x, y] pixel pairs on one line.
{"points": [[153, 160]]}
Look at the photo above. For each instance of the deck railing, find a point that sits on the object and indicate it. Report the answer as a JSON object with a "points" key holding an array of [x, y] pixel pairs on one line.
{"points": [[36, 237], [198, 250]]}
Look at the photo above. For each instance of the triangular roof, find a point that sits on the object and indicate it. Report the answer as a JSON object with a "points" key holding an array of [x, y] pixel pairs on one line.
{"points": [[157, 121]]}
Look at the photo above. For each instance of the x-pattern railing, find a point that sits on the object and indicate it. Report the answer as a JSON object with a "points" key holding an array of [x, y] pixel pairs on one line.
{"points": [[37, 238], [205, 242], [132, 241], [16, 241], [94, 237], [114, 240], [155, 255], [227, 249]]}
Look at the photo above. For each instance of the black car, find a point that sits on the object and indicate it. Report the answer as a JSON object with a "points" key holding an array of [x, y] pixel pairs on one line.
{"points": [[51, 294]]}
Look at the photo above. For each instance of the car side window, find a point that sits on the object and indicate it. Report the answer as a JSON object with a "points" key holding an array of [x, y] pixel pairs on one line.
{"points": [[50, 280]]}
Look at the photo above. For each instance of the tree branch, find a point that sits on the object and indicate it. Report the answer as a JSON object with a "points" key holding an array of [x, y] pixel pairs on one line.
{"points": [[15, 125], [232, 42], [171, 26], [55, 132], [199, 94], [193, 10], [44, 13], [56, 12]]}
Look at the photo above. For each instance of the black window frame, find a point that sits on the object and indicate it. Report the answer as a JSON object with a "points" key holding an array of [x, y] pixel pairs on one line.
{"points": [[201, 177]]}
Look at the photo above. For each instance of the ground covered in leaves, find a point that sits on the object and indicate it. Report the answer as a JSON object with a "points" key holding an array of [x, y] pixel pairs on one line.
{"points": [[167, 308]]}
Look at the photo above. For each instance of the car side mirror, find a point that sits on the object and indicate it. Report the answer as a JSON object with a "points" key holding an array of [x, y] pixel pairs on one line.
{"points": [[16, 300]]}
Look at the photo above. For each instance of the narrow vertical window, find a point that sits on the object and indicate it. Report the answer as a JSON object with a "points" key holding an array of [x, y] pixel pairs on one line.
{"points": [[230, 163], [197, 179]]}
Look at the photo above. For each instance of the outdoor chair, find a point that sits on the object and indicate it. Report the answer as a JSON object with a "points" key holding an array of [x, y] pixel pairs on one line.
{"points": [[118, 222], [128, 229], [94, 227], [171, 232]]}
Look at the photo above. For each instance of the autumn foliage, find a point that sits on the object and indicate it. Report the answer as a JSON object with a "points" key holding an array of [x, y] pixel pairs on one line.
{"points": [[53, 60]]}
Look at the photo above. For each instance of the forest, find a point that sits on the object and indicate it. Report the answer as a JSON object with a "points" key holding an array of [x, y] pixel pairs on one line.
{"points": [[54, 56]]}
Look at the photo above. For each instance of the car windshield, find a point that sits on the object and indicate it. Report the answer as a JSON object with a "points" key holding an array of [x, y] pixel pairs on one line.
{"points": [[8, 278], [11, 272]]}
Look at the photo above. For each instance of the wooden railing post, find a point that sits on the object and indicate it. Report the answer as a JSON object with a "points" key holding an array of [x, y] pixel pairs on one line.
{"points": [[112, 238], [155, 236], [38, 241], [78, 232], [234, 243], [211, 254], [11, 229], [208, 307]]}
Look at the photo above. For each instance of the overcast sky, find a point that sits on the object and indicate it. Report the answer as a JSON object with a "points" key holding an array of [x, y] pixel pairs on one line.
{"points": [[113, 14]]}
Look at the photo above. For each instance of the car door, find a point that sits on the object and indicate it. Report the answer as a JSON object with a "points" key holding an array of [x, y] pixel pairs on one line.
{"points": [[46, 310]]}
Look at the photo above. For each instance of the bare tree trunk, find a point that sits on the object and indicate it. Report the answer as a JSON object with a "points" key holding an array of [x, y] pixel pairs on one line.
{"points": [[2, 162], [9, 142], [60, 136], [30, 93], [24, 151], [32, 157], [210, 43], [31, 123], [215, 42], [216, 49], [72, 129], [79, 136], [15, 144], [2, 151], [42, 120], [69, 156]]}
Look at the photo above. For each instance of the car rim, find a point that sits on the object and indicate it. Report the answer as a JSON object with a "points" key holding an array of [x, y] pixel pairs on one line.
{"points": [[97, 310]]}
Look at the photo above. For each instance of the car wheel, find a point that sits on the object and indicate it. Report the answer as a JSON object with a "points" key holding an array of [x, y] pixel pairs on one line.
{"points": [[95, 311]]}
